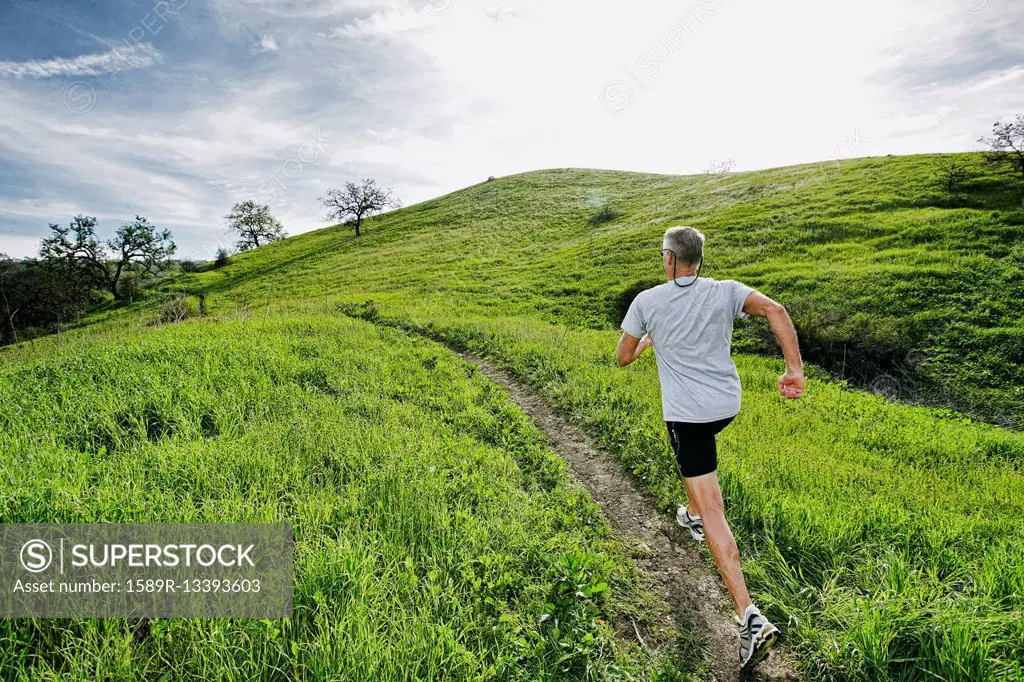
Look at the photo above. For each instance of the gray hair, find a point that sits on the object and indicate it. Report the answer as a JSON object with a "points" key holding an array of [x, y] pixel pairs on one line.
{"points": [[687, 243]]}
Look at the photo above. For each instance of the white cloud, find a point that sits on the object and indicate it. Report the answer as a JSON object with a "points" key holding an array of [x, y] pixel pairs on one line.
{"points": [[267, 44], [305, 9], [385, 23], [502, 13], [17, 246], [136, 56]]}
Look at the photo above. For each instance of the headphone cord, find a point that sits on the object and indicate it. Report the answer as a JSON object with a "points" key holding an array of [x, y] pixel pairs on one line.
{"points": [[675, 259]]}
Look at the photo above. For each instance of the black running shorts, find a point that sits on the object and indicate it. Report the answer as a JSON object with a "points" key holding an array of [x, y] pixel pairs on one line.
{"points": [[694, 445]]}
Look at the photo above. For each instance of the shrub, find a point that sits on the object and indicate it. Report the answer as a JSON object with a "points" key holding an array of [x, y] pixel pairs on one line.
{"points": [[605, 215], [177, 309], [130, 286], [223, 258], [189, 266], [953, 175]]}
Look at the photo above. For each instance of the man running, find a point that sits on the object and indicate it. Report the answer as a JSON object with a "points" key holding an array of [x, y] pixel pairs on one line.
{"points": [[688, 321]]}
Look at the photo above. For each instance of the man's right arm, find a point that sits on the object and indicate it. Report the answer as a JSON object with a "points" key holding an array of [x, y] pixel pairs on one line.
{"points": [[791, 384], [634, 339]]}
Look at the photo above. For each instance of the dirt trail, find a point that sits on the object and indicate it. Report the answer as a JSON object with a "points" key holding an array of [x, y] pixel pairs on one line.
{"points": [[668, 555]]}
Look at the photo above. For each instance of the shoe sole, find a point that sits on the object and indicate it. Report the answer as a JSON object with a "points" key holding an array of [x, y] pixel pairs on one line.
{"points": [[697, 534], [762, 647]]}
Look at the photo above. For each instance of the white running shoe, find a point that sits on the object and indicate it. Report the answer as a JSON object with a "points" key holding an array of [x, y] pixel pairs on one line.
{"points": [[690, 523], [757, 636]]}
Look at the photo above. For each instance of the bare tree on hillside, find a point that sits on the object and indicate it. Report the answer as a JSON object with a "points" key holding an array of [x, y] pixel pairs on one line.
{"points": [[1006, 146], [720, 167], [135, 246], [356, 202], [254, 225]]}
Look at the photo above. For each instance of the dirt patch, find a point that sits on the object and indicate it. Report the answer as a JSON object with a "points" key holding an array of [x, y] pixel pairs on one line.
{"points": [[668, 556]]}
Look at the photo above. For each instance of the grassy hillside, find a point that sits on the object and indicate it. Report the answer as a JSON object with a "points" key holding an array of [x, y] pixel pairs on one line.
{"points": [[891, 283], [433, 527], [886, 538]]}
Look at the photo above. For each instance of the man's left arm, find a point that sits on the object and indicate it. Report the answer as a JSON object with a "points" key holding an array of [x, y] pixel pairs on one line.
{"points": [[791, 384]]}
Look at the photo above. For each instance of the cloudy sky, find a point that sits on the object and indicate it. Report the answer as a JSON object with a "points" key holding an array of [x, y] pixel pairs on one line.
{"points": [[176, 109]]}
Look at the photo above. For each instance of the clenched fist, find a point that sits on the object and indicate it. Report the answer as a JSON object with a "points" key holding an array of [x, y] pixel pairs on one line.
{"points": [[791, 384]]}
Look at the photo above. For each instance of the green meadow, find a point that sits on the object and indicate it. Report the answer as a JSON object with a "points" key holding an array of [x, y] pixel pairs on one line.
{"points": [[436, 534]]}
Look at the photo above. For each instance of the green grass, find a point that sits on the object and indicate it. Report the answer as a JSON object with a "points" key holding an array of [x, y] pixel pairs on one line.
{"points": [[434, 530], [886, 539], [891, 283]]}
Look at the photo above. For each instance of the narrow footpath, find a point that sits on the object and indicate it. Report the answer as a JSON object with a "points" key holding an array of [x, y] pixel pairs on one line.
{"points": [[667, 555]]}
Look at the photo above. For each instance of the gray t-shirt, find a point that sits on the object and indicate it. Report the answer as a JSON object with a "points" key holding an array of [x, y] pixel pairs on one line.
{"points": [[691, 329]]}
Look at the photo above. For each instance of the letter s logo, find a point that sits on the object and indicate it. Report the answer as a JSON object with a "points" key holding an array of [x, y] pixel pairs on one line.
{"points": [[36, 556]]}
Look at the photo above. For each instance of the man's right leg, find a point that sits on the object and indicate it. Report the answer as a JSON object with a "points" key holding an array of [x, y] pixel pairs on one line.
{"points": [[704, 490]]}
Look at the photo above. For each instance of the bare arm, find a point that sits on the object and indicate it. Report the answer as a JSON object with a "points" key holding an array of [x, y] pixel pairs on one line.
{"points": [[791, 384], [630, 348]]}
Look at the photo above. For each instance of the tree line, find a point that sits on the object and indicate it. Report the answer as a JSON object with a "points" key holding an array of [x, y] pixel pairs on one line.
{"points": [[76, 270]]}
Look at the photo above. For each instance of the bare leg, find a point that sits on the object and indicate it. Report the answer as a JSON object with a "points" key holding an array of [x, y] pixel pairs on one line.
{"points": [[704, 491], [691, 504]]}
